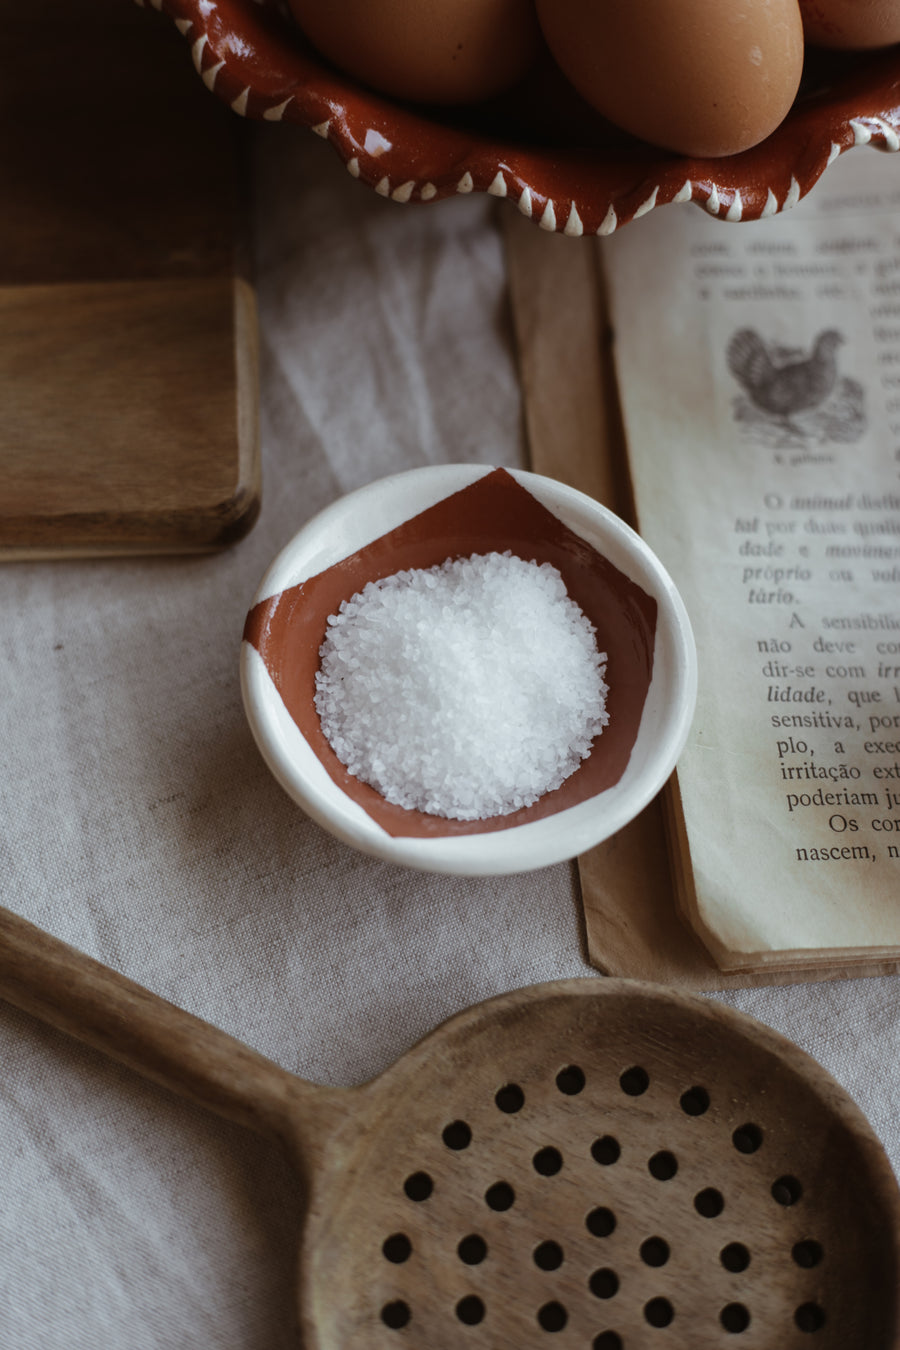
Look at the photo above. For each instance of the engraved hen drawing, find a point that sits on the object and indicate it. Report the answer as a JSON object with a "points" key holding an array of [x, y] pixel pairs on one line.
{"points": [[798, 394]]}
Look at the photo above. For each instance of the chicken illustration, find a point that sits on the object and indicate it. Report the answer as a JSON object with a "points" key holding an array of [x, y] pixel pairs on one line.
{"points": [[781, 388]]}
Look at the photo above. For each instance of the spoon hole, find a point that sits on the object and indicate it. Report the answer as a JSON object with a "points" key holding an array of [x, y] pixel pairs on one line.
{"points": [[735, 1317], [500, 1196], [547, 1162], [418, 1186], [747, 1138], [470, 1310], [735, 1257], [457, 1135], [786, 1191], [552, 1317], [663, 1165], [709, 1203], [810, 1317], [571, 1080], [472, 1250], [807, 1253], [510, 1099], [604, 1284], [655, 1251], [695, 1102], [659, 1312], [601, 1222], [606, 1151], [548, 1256], [395, 1315], [635, 1081], [397, 1248]]}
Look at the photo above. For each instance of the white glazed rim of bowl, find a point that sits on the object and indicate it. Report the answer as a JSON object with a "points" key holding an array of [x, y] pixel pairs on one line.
{"points": [[360, 517]]}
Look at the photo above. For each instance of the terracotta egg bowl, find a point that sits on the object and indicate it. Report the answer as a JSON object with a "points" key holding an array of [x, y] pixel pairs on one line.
{"points": [[417, 520], [539, 145]]}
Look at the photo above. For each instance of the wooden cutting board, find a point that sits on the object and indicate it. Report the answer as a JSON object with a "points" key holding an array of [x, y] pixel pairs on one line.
{"points": [[128, 381]]}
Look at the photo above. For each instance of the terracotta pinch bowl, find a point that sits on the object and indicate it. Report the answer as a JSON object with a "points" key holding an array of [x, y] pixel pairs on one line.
{"points": [[539, 146], [418, 519]]}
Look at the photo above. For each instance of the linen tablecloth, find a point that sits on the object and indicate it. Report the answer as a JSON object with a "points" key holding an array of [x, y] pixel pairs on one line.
{"points": [[140, 824]]}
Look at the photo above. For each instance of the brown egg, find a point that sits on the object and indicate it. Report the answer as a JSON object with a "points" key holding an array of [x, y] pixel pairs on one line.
{"points": [[431, 51], [701, 77], [851, 24]]}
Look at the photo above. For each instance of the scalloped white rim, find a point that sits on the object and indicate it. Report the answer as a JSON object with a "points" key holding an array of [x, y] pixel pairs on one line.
{"points": [[549, 221], [362, 516], [861, 129]]}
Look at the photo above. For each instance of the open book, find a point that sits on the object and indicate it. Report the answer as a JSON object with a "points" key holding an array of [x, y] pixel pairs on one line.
{"points": [[759, 374]]}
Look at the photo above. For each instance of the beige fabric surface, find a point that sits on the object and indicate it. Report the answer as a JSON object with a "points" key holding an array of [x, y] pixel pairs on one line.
{"points": [[140, 824]]}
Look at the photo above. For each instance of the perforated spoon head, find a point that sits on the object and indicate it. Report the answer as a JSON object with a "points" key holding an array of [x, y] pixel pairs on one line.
{"points": [[588, 1163]]}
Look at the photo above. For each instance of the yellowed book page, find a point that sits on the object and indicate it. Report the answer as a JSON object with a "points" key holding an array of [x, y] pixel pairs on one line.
{"points": [[759, 371], [631, 924]]}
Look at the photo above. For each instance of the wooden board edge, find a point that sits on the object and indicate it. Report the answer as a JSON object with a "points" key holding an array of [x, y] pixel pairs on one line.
{"points": [[168, 532]]}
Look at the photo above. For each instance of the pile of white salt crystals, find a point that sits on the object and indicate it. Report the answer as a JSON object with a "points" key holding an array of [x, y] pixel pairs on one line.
{"points": [[465, 690]]}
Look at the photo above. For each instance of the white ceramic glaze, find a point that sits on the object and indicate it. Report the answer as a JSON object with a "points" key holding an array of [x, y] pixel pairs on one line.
{"points": [[365, 515]]}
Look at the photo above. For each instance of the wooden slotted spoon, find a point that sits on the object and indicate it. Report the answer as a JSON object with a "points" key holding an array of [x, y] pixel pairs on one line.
{"points": [[594, 1162]]}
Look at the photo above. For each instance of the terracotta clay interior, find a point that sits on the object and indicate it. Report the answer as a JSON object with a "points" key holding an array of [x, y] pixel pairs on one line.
{"points": [[494, 513]]}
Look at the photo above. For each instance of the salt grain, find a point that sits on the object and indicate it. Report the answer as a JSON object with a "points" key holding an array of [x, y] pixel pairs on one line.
{"points": [[466, 690]]}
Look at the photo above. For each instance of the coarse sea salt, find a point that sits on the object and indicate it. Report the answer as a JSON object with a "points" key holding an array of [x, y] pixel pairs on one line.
{"points": [[465, 690]]}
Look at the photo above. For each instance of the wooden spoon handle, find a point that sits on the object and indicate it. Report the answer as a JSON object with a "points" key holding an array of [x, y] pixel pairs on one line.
{"points": [[71, 991]]}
